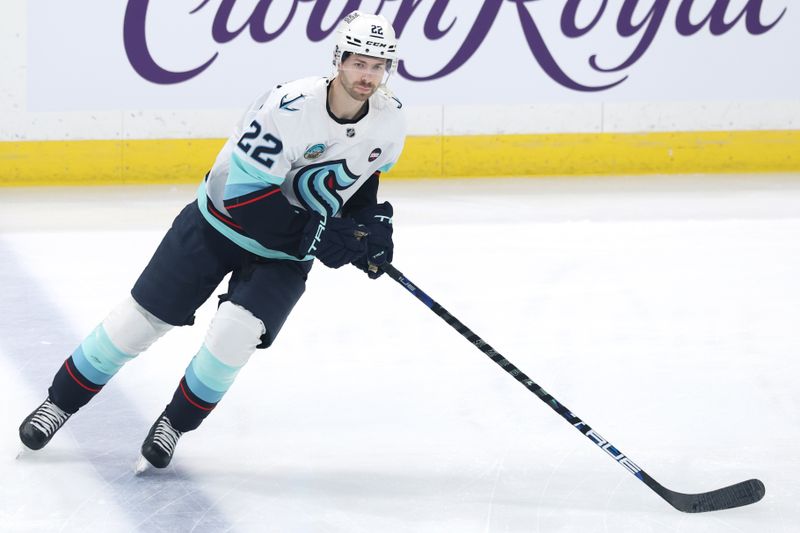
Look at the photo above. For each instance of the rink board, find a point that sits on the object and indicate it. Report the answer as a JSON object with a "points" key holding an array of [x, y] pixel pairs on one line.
{"points": [[152, 161]]}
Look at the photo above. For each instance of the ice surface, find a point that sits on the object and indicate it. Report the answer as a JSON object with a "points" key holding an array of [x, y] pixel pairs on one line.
{"points": [[664, 311]]}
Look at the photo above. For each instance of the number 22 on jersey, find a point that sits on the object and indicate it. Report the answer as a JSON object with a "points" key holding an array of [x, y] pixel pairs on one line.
{"points": [[271, 145]]}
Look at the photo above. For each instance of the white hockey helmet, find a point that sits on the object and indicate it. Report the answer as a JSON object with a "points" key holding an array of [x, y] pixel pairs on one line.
{"points": [[368, 35]]}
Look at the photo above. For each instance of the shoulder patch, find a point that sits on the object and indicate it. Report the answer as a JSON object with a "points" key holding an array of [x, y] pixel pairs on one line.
{"points": [[287, 103]]}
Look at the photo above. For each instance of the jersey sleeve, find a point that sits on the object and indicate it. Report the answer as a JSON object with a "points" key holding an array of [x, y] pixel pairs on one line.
{"points": [[393, 160], [366, 196], [398, 133], [259, 159], [259, 162]]}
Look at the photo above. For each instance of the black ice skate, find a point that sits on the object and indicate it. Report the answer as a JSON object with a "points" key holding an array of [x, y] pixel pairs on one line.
{"points": [[160, 444], [40, 426]]}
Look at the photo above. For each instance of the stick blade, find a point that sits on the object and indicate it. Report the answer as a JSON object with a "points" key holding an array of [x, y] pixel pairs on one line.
{"points": [[737, 495]]}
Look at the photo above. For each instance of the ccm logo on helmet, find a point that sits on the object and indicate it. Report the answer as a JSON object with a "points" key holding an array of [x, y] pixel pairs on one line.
{"points": [[380, 45]]}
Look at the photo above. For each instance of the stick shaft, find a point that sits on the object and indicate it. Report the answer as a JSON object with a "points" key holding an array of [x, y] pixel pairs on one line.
{"points": [[515, 372], [737, 495]]}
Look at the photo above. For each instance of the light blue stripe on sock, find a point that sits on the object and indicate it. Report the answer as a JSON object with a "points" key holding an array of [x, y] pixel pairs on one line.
{"points": [[200, 390], [97, 358], [86, 369], [209, 378]]}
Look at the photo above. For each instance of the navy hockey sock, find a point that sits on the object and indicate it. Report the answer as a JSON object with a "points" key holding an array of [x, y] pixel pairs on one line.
{"points": [[186, 411], [71, 390]]}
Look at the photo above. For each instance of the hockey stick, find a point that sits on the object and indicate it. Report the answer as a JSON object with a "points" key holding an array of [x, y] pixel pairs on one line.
{"points": [[743, 493]]}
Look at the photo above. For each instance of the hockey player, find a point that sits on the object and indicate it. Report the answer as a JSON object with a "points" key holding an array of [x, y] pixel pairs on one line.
{"points": [[297, 180]]}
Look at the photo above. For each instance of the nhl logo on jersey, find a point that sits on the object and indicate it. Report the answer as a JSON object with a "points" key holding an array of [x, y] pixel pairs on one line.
{"points": [[376, 153], [314, 151], [351, 132]]}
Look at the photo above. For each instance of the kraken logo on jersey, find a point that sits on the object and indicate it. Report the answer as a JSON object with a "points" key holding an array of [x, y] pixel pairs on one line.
{"points": [[316, 185]]}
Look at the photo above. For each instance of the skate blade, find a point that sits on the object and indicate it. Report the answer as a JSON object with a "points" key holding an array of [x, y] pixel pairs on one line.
{"points": [[141, 466], [23, 452]]}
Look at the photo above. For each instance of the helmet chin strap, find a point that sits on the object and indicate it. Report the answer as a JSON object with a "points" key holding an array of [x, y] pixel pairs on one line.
{"points": [[384, 86]]}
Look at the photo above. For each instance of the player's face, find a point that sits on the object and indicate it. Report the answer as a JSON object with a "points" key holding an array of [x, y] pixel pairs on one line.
{"points": [[361, 75]]}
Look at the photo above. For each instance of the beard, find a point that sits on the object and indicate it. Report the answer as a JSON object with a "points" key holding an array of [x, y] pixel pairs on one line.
{"points": [[360, 91]]}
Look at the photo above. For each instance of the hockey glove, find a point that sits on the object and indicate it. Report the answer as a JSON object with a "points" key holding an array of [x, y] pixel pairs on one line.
{"points": [[380, 248], [334, 241]]}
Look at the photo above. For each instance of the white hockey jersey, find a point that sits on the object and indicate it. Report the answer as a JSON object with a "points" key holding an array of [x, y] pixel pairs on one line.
{"points": [[289, 143]]}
